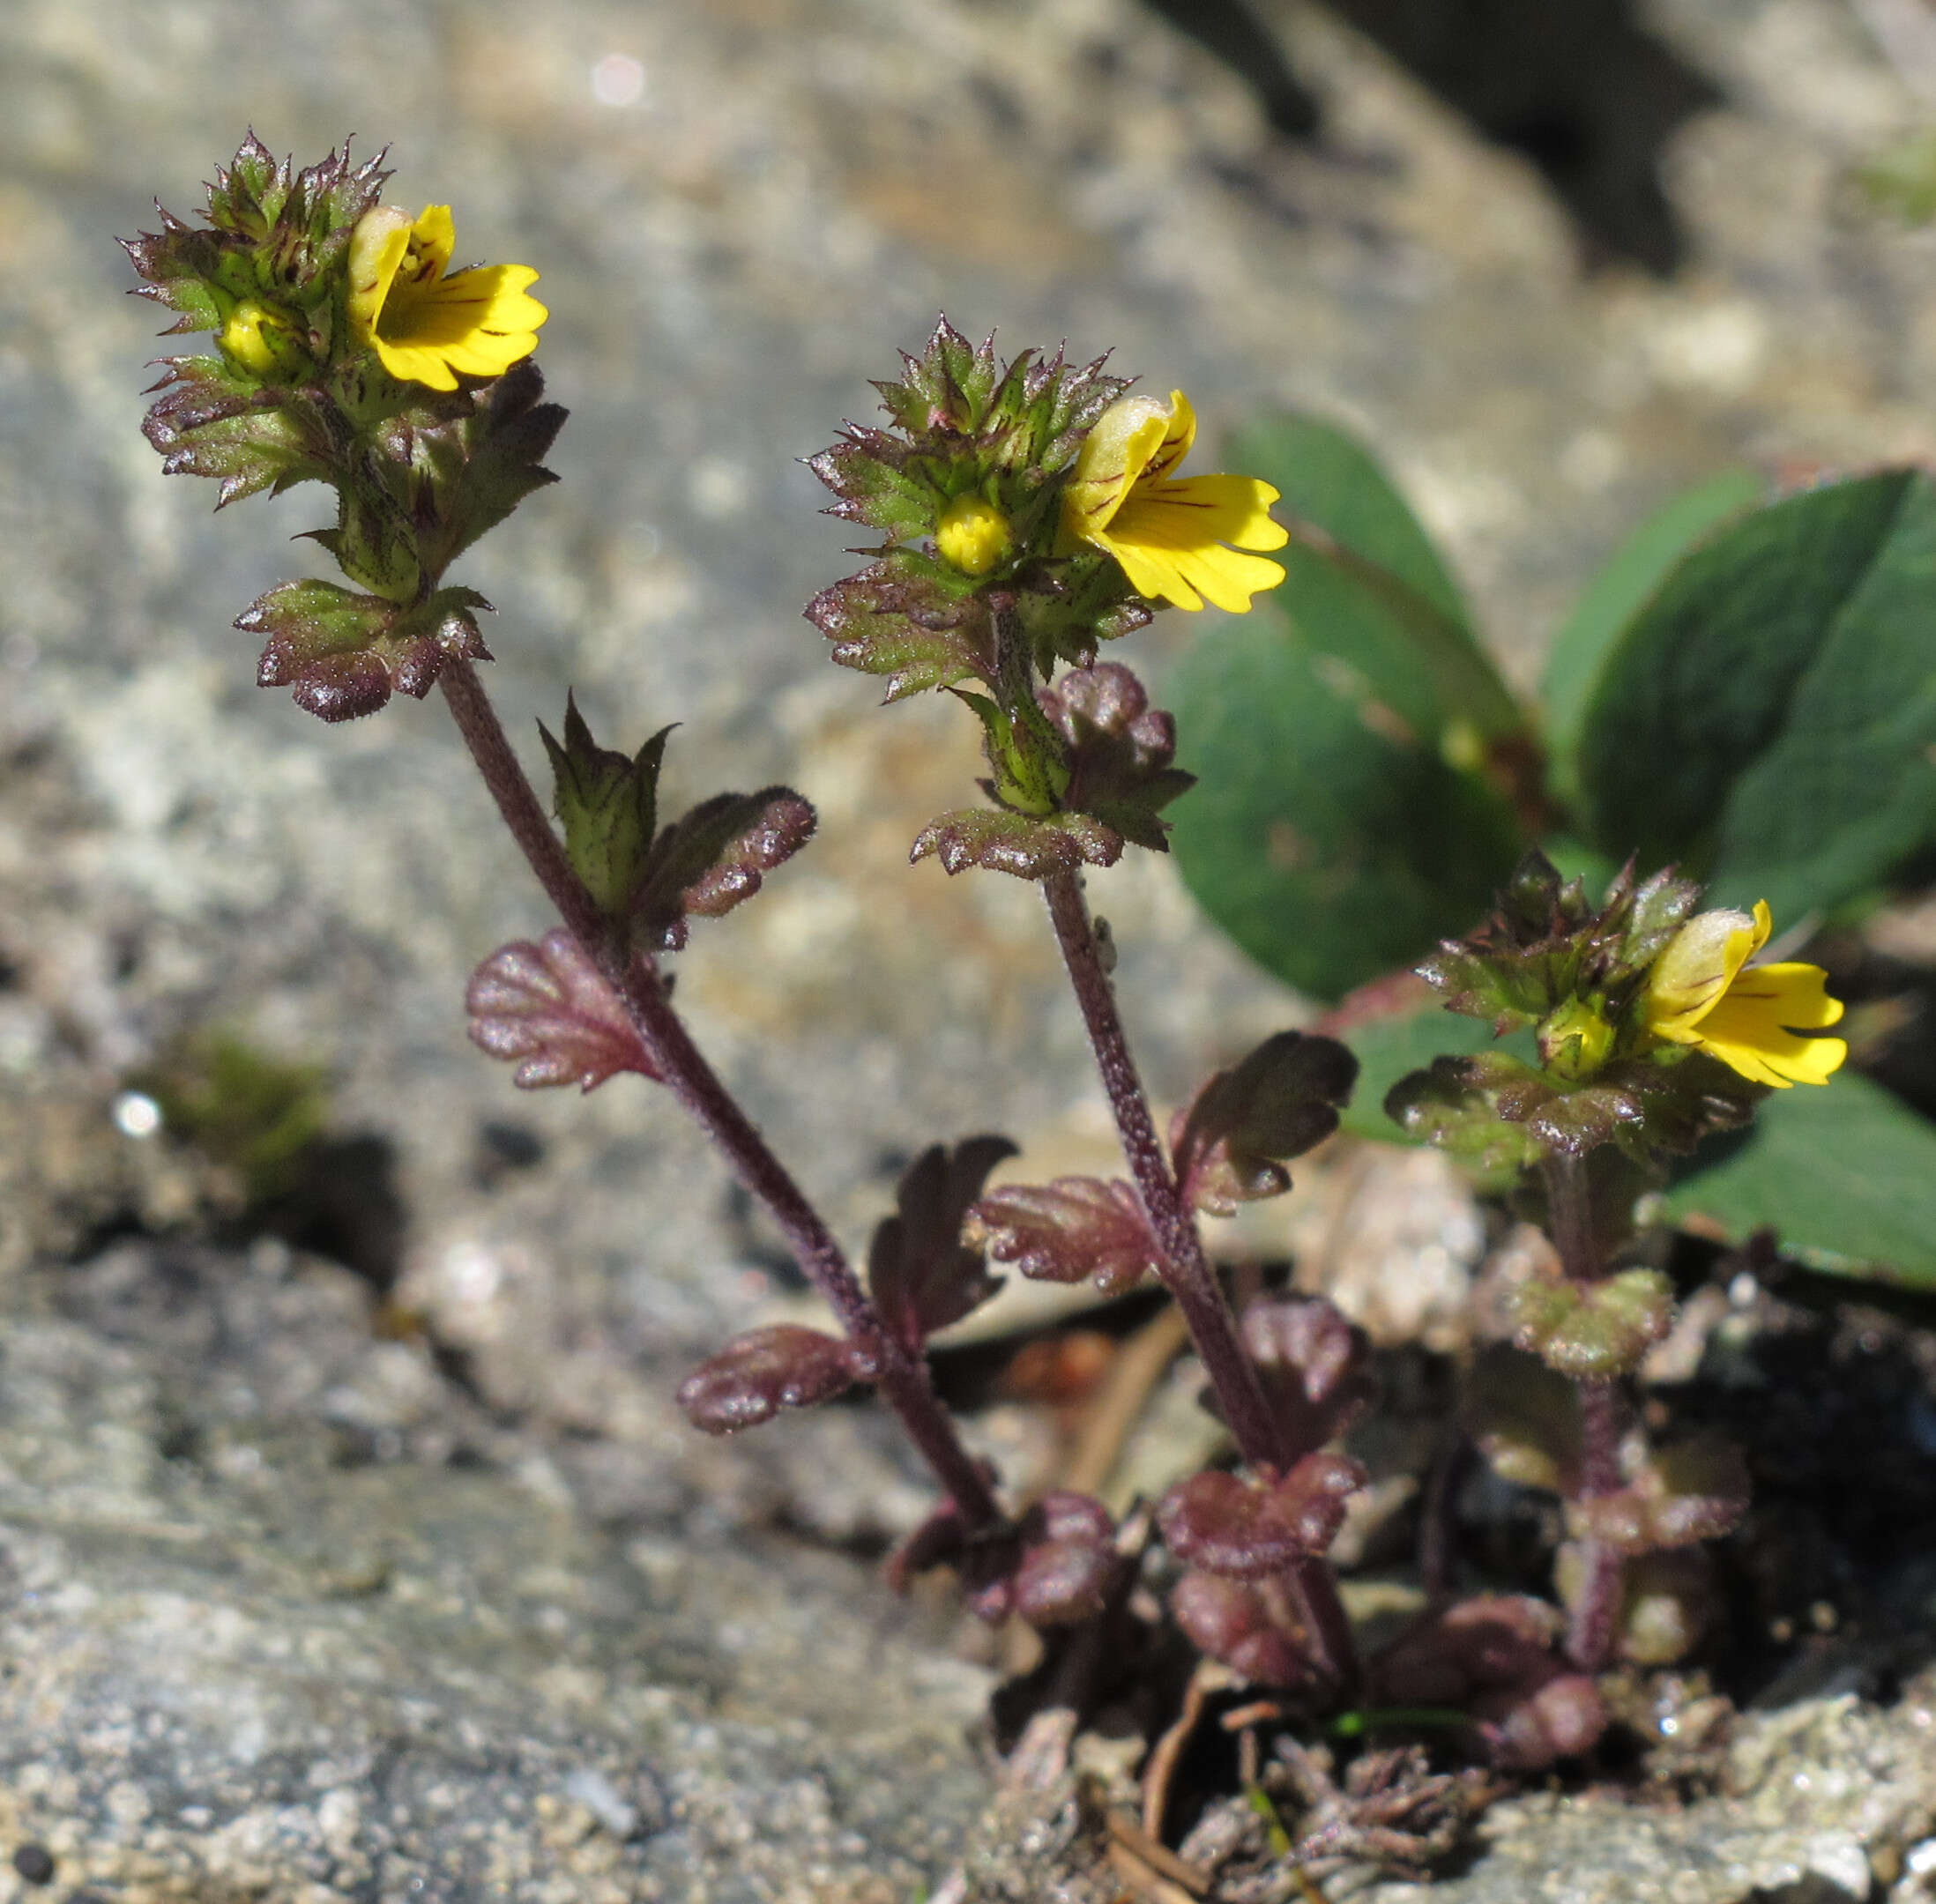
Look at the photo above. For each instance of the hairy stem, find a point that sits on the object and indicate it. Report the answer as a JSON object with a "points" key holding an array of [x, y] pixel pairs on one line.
{"points": [[1569, 1211], [1187, 1273], [901, 1375], [1602, 1568]]}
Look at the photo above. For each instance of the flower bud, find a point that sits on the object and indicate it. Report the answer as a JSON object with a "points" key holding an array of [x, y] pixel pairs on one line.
{"points": [[260, 338], [973, 535], [1575, 1040]]}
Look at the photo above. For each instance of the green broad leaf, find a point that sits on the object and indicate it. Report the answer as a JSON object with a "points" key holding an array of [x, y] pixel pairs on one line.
{"points": [[1388, 1049], [1845, 1173], [1614, 597], [1327, 834], [1768, 719], [1329, 482]]}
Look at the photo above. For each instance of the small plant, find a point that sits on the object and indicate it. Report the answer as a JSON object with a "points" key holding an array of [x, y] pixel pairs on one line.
{"points": [[1652, 1031], [1027, 512], [1742, 693]]}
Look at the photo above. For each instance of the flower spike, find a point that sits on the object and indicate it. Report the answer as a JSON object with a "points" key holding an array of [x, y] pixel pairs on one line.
{"points": [[1169, 533]]}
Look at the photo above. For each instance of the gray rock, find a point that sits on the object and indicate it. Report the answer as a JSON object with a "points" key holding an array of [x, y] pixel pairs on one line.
{"points": [[1826, 1795], [286, 1616], [1820, 1801], [793, 192]]}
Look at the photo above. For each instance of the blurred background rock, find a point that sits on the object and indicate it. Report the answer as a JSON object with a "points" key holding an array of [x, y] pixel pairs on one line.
{"points": [[1553, 261]]}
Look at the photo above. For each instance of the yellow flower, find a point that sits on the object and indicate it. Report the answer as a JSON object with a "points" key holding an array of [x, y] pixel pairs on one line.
{"points": [[1169, 533], [428, 328], [1703, 992], [973, 535]]}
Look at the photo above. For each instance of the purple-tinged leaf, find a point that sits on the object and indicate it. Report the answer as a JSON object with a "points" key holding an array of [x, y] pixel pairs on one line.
{"points": [[1697, 1491], [1248, 1624], [1015, 842], [757, 1374], [1592, 1331], [1054, 1566], [334, 688], [1561, 1719], [1246, 1529], [1497, 1112], [1068, 1560], [547, 1008], [1669, 1602], [1313, 1365], [343, 654], [1069, 1229], [867, 471], [711, 859], [1494, 1656], [205, 423], [486, 455], [1545, 942], [1120, 751], [1231, 1140], [766, 830], [897, 619], [921, 1275], [940, 1540]]}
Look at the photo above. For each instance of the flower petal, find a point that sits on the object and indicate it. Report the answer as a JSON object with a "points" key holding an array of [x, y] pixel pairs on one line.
{"points": [[1699, 964], [376, 249], [1177, 439], [1152, 570], [1702, 992], [1226, 578], [415, 363], [478, 323], [1800, 993], [1168, 534], [1177, 530], [1113, 455], [1753, 1028], [1746, 1038], [433, 236], [1226, 509]]}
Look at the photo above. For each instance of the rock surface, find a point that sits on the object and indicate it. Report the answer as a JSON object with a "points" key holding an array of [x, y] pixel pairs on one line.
{"points": [[739, 210], [287, 1617], [1822, 1802]]}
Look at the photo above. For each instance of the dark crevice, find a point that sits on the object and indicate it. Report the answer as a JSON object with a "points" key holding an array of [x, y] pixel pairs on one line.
{"points": [[1580, 88], [1235, 35], [343, 1203], [504, 1149]]}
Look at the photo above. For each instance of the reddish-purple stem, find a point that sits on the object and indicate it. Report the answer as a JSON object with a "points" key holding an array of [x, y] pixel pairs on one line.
{"points": [[1590, 1631], [901, 1376], [1569, 1216], [1187, 1273]]}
